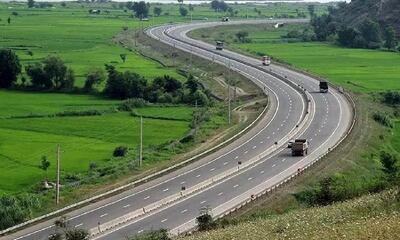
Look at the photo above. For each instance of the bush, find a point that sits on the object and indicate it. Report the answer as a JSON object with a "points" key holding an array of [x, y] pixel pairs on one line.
{"points": [[391, 97], [16, 209], [120, 151], [132, 103], [161, 234], [383, 119]]}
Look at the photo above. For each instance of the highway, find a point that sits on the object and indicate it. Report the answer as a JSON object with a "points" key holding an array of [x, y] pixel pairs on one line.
{"points": [[218, 181]]}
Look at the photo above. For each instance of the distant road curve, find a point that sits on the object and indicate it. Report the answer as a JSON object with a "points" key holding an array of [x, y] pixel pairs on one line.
{"points": [[217, 180]]}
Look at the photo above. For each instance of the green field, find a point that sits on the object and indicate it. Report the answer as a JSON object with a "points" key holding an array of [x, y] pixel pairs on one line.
{"points": [[360, 70], [84, 140]]}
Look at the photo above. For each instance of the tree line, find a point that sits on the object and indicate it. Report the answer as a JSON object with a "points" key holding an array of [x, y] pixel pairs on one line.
{"points": [[369, 33], [51, 74]]}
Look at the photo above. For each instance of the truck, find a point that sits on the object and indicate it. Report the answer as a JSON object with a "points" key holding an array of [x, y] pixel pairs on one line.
{"points": [[266, 61], [220, 45], [323, 87], [300, 147]]}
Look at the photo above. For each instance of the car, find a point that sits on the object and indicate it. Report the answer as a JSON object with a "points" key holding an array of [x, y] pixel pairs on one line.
{"points": [[290, 143]]}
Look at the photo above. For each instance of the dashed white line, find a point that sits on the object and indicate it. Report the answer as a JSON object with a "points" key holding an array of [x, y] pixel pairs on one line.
{"points": [[254, 147], [273, 165], [202, 202], [283, 159], [236, 157], [165, 190], [262, 172], [219, 194], [78, 225], [212, 169], [103, 215], [225, 163], [127, 205], [183, 182], [237, 185], [164, 220], [198, 176], [140, 231], [249, 179], [246, 152], [184, 210], [146, 198]]}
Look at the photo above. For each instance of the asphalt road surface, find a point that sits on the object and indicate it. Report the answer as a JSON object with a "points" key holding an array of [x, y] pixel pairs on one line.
{"points": [[322, 118]]}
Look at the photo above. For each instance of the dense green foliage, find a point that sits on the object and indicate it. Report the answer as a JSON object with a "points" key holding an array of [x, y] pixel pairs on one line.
{"points": [[9, 68], [358, 24], [161, 234], [16, 209]]}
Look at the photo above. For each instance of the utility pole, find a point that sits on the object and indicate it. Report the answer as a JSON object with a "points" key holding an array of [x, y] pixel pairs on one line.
{"points": [[58, 176], [229, 93], [141, 142]]}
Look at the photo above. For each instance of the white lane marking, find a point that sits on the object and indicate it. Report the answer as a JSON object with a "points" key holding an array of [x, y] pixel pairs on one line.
{"points": [[140, 231], [262, 172], [165, 190], [283, 159], [225, 163], [198, 176], [202, 202], [103, 215], [219, 194], [164, 220], [261, 142], [184, 210], [183, 182], [146, 198], [127, 205], [78, 225], [237, 185], [212, 169], [254, 147], [249, 179], [274, 165], [246, 152], [236, 157]]}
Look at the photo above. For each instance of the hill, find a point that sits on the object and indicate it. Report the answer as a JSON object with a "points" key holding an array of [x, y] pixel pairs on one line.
{"points": [[385, 12]]}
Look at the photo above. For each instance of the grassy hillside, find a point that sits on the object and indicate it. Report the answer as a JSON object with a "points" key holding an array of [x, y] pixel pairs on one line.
{"points": [[369, 217]]}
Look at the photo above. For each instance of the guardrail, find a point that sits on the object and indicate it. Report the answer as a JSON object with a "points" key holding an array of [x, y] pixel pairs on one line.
{"points": [[133, 184]]}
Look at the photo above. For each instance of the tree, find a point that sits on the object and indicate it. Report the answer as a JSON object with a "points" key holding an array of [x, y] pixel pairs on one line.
{"points": [[183, 11], [9, 20], [76, 234], [205, 221], [200, 98], [161, 234], [390, 38], [219, 6], [45, 164], [347, 36], [191, 7], [242, 36], [141, 9], [192, 84], [370, 32], [55, 70], [123, 57], [311, 10], [95, 77], [10, 67], [157, 11], [31, 3], [38, 77], [63, 4]]}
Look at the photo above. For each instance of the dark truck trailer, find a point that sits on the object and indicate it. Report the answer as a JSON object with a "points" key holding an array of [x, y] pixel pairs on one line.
{"points": [[220, 45], [300, 147], [323, 87]]}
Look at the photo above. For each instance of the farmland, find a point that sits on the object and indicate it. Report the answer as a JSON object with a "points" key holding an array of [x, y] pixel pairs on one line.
{"points": [[360, 70]]}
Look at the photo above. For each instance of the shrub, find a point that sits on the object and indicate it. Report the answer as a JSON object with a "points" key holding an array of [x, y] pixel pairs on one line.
{"points": [[120, 151], [383, 119], [161, 234], [16, 209], [132, 103], [391, 97]]}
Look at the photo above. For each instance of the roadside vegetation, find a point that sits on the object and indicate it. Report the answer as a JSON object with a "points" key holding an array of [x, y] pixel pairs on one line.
{"points": [[366, 163], [61, 72]]}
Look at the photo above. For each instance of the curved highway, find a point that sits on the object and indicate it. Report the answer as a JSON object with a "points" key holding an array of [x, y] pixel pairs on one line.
{"points": [[218, 181]]}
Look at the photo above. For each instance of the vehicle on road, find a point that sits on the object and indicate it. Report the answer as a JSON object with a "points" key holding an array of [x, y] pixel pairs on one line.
{"points": [[300, 147], [266, 60], [323, 87], [225, 19], [220, 45], [290, 144]]}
